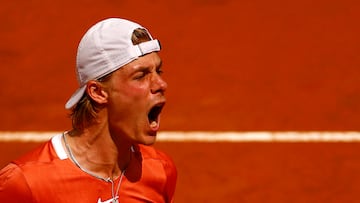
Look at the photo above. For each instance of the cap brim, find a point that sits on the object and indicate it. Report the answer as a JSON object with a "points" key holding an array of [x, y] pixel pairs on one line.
{"points": [[75, 98]]}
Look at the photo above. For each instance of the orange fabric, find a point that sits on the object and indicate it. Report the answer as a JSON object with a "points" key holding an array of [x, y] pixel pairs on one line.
{"points": [[41, 177]]}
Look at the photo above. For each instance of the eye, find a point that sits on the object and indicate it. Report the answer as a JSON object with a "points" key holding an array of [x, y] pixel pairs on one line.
{"points": [[159, 71], [139, 75]]}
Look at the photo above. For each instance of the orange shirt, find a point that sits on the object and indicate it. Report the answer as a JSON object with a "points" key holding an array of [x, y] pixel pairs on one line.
{"points": [[46, 175]]}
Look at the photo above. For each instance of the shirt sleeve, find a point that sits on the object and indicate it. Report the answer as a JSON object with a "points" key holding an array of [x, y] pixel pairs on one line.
{"points": [[13, 185]]}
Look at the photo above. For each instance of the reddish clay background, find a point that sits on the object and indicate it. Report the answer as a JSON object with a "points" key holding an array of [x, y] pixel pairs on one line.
{"points": [[231, 66]]}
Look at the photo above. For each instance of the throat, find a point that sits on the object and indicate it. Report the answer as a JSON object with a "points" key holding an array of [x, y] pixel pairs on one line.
{"points": [[105, 169]]}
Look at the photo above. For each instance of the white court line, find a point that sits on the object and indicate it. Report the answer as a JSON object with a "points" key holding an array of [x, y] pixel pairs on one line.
{"points": [[177, 136]]}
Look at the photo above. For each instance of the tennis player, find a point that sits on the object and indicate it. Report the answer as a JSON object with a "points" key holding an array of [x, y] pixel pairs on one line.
{"points": [[107, 156]]}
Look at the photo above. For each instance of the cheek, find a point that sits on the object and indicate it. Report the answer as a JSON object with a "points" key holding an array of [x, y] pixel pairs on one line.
{"points": [[128, 108], [127, 90], [133, 93], [127, 97]]}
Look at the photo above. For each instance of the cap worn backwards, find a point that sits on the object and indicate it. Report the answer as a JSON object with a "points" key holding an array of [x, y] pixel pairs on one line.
{"points": [[104, 48]]}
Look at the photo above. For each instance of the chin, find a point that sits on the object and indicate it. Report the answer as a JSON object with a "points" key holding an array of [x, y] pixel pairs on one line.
{"points": [[148, 142], [149, 139]]}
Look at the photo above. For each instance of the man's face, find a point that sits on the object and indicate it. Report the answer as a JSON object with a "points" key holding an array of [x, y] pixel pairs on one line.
{"points": [[136, 98]]}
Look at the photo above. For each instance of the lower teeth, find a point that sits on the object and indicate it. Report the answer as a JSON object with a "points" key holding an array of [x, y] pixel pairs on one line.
{"points": [[153, 124]]}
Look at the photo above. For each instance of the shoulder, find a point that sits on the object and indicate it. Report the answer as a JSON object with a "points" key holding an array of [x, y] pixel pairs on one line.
{"points": [[150, 152], [44, 153], [154, 160], [35, 165], [13, 185], [17, 176]]}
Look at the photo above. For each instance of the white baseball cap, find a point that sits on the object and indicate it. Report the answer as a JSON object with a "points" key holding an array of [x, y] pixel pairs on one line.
{"points": [[104, 48]]}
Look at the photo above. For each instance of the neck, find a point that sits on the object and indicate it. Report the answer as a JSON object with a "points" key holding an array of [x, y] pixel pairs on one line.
{"points": [[97, 154]]}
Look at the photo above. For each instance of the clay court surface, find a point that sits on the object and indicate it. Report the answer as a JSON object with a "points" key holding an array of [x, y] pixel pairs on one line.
{"points": [[239, 66]]}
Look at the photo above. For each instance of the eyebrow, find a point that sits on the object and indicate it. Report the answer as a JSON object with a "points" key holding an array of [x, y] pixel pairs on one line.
{"points": [[143, 68]]}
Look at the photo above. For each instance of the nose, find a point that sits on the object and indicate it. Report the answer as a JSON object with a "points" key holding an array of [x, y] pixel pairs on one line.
{"points": [[158, 84]]}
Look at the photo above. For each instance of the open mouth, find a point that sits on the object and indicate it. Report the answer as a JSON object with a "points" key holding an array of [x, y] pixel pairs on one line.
{"points": [[154, 115]]}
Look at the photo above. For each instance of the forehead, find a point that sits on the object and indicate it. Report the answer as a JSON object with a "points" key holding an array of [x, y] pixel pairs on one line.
{"points": [[151, 60]]}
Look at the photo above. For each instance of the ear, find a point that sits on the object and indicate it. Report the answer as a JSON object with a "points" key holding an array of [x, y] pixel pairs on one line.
{"points": [[96, 92]]}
